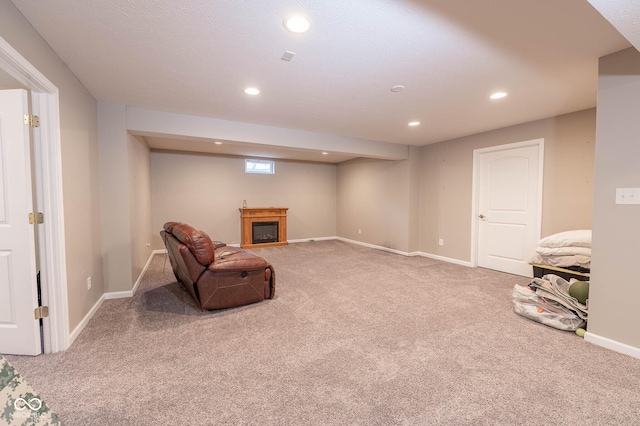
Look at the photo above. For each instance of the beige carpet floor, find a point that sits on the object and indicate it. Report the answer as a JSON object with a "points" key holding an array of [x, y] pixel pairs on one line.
{"points": [[354, 336]]}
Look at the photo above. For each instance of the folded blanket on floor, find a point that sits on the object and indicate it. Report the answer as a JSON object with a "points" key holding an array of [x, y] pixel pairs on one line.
{"points": [[556, 288], [529, 304]]}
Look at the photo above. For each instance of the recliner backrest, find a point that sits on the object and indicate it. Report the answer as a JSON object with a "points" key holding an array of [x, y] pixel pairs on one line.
{"points": [[196, 240]]}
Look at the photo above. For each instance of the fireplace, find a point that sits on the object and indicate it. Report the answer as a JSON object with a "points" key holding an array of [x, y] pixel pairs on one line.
{"points": [[264, 232], [263, 226]]}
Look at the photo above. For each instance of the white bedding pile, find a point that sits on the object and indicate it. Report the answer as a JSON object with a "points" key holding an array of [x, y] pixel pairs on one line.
{"points": [[569, 248]]}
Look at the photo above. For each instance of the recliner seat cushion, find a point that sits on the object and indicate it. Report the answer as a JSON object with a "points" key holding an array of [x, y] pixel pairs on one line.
{"points": [[234, 259]]}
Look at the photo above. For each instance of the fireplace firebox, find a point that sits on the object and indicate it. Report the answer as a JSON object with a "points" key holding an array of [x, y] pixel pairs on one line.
{"points": [[264, 232]]}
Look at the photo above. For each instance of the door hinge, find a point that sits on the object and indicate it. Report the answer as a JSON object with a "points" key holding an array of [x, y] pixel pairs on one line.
{"points": [[36, 218], [41, 312], [31, 120]]}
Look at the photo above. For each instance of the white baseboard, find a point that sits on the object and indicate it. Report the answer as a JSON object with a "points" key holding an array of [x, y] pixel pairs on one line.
{"points": [[613, 345], [118, 294], [373, 246], [308, 240], [442, 258], [76, 331], [146, 266], [404, 253]]}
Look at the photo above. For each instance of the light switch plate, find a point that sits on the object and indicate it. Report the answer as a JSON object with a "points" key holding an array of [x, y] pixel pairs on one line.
{"points": [[627, 195]]}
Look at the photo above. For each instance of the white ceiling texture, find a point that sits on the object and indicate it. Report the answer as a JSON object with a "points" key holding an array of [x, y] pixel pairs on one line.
{"points": [[197, 56]]}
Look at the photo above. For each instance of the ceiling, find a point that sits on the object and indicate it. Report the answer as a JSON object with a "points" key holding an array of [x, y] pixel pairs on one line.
{"points": [[197, 56]]}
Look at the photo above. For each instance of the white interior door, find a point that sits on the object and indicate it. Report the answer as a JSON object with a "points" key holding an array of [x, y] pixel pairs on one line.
{"points": [[19, 331], [509, 207]]}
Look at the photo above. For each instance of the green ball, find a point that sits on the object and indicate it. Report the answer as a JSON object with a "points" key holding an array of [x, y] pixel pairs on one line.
{"points": [[580, 290], [580, 332]]}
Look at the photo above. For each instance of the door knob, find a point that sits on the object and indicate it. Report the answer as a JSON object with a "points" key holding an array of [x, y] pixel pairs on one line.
{"points": [[481, 216]]}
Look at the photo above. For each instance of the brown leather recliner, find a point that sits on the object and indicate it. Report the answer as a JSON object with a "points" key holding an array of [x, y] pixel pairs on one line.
{"points": [[217, 276]]}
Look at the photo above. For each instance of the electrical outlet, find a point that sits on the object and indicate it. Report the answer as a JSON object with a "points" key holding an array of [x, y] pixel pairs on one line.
{"points": [[89, 283], [359, 231], [440, 242], [627, 195]]}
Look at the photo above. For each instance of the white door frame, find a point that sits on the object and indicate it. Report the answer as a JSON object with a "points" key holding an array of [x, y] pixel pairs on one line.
{"points": [[45, 104], [476, 182]]}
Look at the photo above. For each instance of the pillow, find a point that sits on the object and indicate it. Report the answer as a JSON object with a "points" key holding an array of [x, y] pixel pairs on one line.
{"points": [[577, 238]]}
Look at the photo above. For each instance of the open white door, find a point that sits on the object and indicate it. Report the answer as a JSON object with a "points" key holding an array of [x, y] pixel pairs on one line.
{"points": [[19, 330], [509, 195]]}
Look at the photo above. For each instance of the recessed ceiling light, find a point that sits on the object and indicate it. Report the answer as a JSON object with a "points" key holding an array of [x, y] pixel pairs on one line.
{"points": [[498, 95], [251, 91], [218, 143], [325, 153], [398, 88], [297, 24], [414, 123]]}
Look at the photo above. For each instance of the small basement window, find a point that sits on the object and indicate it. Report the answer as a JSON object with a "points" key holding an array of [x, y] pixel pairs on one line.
{"points": [[264, 167]]}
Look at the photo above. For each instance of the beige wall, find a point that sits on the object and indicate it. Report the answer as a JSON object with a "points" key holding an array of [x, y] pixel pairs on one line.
{"points": [[78, 131], [415, 167], [206, 191], [614, 294], [446, 180], [374, 196], [139, 203], [115, 197]]}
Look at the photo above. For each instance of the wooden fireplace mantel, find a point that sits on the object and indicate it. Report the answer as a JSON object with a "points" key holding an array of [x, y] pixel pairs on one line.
{"points": [[263, 214]]}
